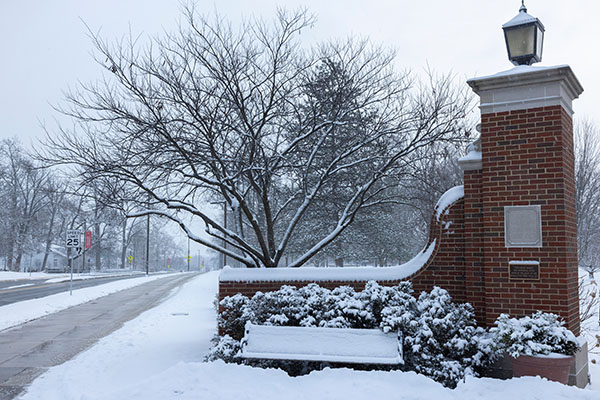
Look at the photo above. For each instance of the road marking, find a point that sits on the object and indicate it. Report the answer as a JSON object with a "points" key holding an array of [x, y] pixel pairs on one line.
{"points": [[18, 286]]}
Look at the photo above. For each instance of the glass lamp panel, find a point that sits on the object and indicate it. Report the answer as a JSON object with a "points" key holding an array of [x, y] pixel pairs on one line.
{"points": [[540, 43], [520, 41]]}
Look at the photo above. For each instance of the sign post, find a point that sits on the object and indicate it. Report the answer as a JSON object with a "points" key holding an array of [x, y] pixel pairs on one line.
{"points": [[73, 240]]}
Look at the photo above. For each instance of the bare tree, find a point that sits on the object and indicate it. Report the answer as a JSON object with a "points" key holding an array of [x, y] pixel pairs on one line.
{"points": [[587, 187], [24, 186], [217, 112], [56, 192]]}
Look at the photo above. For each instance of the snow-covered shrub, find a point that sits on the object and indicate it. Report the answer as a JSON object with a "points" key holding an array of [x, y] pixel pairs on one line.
{"points": [[224, 348], [232, 317], [441, 339], [540, 333]]}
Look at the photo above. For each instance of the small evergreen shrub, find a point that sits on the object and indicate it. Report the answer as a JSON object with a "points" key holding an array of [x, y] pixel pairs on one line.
{"points": [[540, 333], [441, 339]]}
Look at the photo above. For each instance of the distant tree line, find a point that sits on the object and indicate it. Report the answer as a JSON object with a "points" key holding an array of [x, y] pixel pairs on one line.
{"points": [[39, 204]]}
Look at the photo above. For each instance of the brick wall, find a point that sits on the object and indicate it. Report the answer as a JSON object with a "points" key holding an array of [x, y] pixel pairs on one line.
{"points": [[445, 267]]}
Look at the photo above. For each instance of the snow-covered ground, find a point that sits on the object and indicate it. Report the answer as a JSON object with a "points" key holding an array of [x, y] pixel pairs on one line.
{"points": [[13, 276], [158, 356], [28, 310], [591, 328]]}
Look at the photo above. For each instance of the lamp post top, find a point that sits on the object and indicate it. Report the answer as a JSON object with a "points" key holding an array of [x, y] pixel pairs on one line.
{"points": [[522, 18]]}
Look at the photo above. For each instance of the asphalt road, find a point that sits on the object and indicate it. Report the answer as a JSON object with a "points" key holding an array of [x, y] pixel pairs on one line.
{"points": [[12, 291]]}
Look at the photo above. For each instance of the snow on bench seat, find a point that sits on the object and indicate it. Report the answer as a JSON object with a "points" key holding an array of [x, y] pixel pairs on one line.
{"points": [[344, 345]]}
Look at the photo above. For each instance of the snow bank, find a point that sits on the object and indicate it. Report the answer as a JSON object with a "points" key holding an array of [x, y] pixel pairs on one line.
{"points": [[13, 276], [28, 310], [93, 276], [351, 274]]}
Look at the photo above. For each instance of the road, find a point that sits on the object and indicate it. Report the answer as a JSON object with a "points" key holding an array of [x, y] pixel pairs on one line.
{"points": [[20, 290], [28, 350]]}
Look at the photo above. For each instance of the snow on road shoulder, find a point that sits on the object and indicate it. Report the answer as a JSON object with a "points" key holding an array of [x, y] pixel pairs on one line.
{"points": [[14, 276], [83, 277], [157, 356], [28, 310]]}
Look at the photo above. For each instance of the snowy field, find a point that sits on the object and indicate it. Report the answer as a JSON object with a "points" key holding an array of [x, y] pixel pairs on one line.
{"points": [[28, 310], [158, 356]]}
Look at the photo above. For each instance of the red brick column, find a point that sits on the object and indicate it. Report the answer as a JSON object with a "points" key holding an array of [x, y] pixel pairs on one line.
{"points": [[527, 159]]}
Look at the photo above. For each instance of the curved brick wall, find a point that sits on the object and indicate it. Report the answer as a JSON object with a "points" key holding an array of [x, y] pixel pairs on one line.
{"points": [[445, 267]]}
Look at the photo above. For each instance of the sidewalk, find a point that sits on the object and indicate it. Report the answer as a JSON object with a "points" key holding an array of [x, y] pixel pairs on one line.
{"points": [[30, 349]]}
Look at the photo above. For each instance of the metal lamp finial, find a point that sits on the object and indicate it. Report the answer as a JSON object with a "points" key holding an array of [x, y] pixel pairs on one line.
{"points": [[523, 8]]}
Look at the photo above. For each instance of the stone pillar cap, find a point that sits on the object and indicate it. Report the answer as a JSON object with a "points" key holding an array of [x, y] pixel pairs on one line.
{"points": [[527, 86]]}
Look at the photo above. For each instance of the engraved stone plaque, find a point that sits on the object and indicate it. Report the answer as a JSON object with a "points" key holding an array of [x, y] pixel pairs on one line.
{"points": [[524, 270], [523, 226]]}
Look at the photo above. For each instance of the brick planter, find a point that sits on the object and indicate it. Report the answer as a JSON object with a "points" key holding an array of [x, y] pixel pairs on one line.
{"points": [[553, 369]]}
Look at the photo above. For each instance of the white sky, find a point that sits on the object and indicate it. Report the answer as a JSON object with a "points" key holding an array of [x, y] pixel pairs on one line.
{"points": [[44, 47]]}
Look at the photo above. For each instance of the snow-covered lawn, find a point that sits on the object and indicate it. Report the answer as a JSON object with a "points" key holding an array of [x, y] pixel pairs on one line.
{"points": [[23, 311], [158, 356], [591, 328]]}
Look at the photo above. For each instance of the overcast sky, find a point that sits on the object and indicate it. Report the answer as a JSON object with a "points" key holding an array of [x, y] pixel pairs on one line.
{"points": [[44, 47]]}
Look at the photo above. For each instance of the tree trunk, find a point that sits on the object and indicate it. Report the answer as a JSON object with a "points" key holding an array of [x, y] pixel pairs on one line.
{"points": [[339, 262], [49, 238], [98, 249]]}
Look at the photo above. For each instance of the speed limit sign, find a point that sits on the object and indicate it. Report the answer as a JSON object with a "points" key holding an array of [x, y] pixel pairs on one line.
{"points": [[73, 238]]}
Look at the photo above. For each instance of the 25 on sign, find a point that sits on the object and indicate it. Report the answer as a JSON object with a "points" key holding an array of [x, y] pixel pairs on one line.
{"points": [[73, 238]]}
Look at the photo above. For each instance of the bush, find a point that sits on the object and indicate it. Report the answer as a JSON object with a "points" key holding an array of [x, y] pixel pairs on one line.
{"points": [[441, 339], [542, 333]]}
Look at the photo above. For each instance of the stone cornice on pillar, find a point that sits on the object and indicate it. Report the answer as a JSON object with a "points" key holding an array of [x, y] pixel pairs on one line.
{"points": [[525, 87]]}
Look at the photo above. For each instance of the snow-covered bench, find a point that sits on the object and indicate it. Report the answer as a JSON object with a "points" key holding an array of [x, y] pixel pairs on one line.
{"points": [[336, 345]]}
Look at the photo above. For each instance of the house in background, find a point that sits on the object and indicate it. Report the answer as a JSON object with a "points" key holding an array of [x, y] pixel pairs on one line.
{"points": [[57, 260]]}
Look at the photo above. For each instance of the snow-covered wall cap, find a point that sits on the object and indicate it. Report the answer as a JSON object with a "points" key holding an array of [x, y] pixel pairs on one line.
{"points": [[527, 86], [524, 262], [312, 274], [472, 161], [451, 196]]}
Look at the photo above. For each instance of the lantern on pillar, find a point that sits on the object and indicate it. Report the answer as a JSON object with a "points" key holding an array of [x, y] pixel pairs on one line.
{"points": [[524, 35]]}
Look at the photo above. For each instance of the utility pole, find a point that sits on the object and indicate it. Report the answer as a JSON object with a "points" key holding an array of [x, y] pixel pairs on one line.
{"points": [[148, 240], [223, 255], [224, 241], [84, 246]]}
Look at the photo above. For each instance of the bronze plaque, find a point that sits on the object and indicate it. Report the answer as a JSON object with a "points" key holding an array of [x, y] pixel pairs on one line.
{"points": [[525, 271]]}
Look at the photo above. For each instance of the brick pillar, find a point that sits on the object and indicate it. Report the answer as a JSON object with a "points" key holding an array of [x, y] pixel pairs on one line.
{"points": [[473, 234], [527, 164]]}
